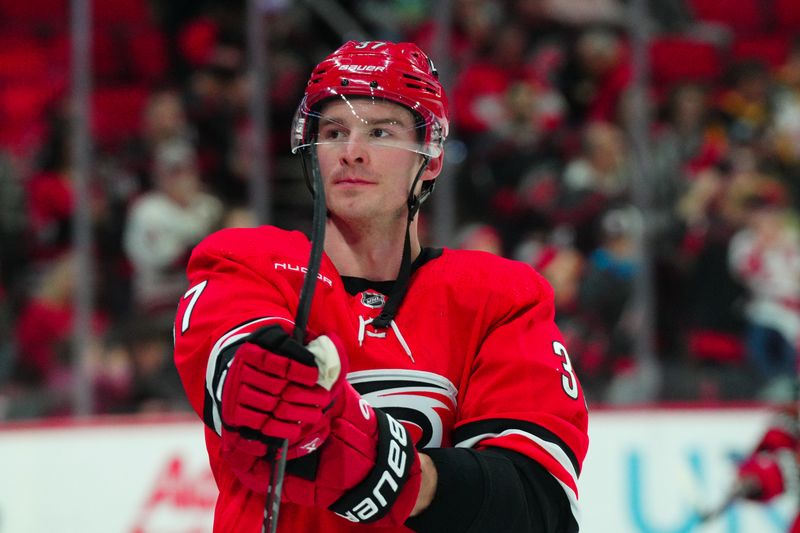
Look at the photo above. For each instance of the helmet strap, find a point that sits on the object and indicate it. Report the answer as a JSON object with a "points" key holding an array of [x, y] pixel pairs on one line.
{"points": [[400, 287], [317, 239], [305, 156]]}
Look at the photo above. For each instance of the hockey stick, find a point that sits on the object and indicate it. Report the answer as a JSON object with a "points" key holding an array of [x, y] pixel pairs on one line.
{"points": [[276, 455], [704, 508], [315, 256], [740, 489]]}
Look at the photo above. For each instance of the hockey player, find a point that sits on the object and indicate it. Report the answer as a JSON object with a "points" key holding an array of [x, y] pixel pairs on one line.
{"points": [[460, 410], [772, 468]]}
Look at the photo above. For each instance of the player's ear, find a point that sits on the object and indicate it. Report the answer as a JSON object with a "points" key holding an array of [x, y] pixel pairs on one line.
{"points": [[434, 168]]}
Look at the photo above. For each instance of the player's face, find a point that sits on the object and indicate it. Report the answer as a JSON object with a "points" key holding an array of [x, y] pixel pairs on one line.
{"points": [[366, 172]]}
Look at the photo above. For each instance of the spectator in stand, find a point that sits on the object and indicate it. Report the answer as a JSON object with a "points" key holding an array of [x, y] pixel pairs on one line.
{"points": [[522, 155], [474, 27], [687, 140], [479, 236], [786, 115], [601, 166], [43, 335], [239, 217], [591, 182], [708, 295], [532, 114], [765, 256], [139, 354], [596, 76], [699, 205], [216, 108], [560, 263], [605, 297], [581, 12], [745, 103], [49, 199], [165, 224], [508, 113], [560, 21], [45, 323], [164, 118], [479, 93]]}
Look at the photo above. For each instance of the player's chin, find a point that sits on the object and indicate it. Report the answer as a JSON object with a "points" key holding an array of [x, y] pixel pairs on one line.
{"points": [[352, 206], [352, 197], [362, 204]]}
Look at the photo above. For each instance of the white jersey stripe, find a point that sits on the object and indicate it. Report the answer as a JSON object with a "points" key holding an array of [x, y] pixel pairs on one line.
{"points": [[573, 501]]}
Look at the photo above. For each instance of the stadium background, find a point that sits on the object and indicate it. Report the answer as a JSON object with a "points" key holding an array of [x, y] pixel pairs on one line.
{"points": [[643, 156]]}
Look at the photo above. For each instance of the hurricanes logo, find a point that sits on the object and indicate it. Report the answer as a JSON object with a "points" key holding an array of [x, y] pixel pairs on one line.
{"points": [[423, 401], [373, 300]]}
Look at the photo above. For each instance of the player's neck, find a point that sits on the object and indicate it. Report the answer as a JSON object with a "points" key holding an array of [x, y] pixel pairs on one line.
{"points": [[368, 252]]}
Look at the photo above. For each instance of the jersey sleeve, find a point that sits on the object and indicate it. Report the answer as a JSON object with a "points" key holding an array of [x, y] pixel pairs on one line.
{"points": [[522, 393], [230, 295]]}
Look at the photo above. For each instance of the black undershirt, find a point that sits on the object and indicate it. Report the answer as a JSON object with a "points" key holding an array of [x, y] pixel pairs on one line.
{"points": [[355, 285], [493, 490]]}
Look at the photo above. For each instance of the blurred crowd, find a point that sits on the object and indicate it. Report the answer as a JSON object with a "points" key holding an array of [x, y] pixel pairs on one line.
{"points": [[545, 171]]}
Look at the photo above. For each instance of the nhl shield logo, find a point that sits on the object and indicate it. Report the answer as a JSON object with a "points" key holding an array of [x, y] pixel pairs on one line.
{"points": [[373, 300]]}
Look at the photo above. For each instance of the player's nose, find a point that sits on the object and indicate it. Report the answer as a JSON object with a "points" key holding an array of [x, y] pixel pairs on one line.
{"points": [[355, 150]]}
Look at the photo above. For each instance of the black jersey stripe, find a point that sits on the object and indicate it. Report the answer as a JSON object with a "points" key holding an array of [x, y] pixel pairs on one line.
{"points": [[366, 387], [495, 426]]}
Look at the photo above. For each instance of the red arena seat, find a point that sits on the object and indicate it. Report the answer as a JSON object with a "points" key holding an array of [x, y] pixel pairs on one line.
{"points": [[676, 59], [742, 16]]}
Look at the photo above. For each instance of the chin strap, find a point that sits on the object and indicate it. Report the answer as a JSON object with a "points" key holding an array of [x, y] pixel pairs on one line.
{"points": [[395, 298]]}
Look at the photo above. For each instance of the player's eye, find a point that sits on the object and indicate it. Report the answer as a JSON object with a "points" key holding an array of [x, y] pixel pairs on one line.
{"points": [[332, 133], [381, 133]]}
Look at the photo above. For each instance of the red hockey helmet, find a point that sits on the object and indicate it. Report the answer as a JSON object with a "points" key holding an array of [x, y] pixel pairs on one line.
{"points": [[382, 71]]}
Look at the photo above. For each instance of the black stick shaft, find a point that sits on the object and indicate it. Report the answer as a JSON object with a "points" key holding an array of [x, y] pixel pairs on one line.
{"points": [[315, 256], [276, 456]]}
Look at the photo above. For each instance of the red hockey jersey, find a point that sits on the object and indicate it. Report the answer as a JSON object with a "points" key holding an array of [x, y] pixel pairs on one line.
{"points": [[473, 357]]}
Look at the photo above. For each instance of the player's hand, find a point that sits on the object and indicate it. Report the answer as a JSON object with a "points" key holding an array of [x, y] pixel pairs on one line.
{"points": [[271, 392], [780, 435], [767, 474], [366, 470]]}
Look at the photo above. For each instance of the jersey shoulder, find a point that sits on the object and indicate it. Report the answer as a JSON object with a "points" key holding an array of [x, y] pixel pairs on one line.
{"points": [[259, 242], [484, 271]]}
